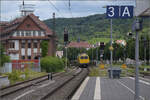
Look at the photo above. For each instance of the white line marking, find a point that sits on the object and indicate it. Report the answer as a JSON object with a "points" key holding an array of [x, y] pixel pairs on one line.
{"points": [[32, 90], [145, 79], [130, 89], [147, 83], [46, 84], [97, 94], [80, 90], [23, 94]]}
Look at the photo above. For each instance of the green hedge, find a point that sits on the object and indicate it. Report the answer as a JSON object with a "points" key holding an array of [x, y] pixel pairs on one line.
{"points": [[52, 64]]}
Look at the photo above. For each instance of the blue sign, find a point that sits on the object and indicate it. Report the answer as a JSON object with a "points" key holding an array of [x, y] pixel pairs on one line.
{"points": [[119, 11], [126, 12], [112, 12]]}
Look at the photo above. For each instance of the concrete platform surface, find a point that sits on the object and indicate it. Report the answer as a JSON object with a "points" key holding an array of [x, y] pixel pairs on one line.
{"points": [[98, 88]]}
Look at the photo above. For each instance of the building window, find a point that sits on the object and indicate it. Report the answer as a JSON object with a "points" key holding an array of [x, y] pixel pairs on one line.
{"points": [[23, 57], [29, 45], [33, 33], [22, 33], [29, 57], [35, 57], [35, 45], [39, 33], [29, 33], [23, 45], [18, 33], [12, 45]]}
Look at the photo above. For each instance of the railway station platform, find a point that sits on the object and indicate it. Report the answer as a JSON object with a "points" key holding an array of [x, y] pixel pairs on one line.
{"points": [[102, 88]]}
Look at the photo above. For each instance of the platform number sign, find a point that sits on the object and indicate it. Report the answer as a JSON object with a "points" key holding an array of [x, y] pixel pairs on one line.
{"points": [[119, 11]]}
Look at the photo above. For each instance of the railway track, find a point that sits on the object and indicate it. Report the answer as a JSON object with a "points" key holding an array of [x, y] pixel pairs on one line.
{"points": [[25, 84], [10, 92], [47, 89], [68, 88]]}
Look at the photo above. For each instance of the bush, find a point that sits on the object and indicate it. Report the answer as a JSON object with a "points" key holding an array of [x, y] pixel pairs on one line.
{"points": [[15, 76], [52, 64], [21, 75], [64, 61], [94, 72]]}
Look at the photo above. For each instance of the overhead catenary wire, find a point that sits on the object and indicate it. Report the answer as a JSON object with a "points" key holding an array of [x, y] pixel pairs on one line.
{"points": [[70, 9], [56, 8]]}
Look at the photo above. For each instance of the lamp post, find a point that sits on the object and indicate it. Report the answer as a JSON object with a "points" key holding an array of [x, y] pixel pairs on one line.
{"points": [[111, 53], [138, 27]]}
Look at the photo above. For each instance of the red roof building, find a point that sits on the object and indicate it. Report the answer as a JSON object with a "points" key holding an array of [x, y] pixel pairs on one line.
{"points": [[80, 44], [22, 37]]}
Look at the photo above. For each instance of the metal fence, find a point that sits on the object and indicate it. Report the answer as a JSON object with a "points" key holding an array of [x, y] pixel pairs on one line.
{"points": [[21, 66], [7, 68]]}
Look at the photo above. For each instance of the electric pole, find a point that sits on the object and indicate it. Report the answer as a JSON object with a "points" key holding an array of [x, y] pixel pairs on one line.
{"points": [[111, 53]]}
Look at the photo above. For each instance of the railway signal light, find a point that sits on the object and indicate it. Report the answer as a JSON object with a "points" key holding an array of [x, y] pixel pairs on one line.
{"points": [[65, 35], [102, 45]]}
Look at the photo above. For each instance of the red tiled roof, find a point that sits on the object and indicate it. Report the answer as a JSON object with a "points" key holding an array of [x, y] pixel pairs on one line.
{"points": [[15, 23], [41, 24], [4, 23], [79, 45]]}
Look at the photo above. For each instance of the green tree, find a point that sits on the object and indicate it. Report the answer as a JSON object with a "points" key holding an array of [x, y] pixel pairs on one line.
{"points": [[130, 48], [3, 58], [72, 52], [118, 51], [44, 47], [52, 64]]}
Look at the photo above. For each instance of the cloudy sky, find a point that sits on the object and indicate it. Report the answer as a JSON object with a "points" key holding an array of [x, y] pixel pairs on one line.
{"points": [[44, 9]]}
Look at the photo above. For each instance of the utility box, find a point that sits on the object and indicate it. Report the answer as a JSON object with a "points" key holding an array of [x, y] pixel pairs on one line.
{"points": [[115, 72]]}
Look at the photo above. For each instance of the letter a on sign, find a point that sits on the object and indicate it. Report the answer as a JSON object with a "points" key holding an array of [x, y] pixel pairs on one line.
{"points": [[126, 11]]}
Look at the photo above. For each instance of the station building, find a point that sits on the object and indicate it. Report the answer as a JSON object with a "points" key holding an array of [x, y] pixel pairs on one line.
{"points": [[21, 38]]}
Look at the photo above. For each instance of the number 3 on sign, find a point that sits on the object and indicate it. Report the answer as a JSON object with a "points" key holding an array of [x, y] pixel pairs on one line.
{"points": [[112, 11], [111, 14]]}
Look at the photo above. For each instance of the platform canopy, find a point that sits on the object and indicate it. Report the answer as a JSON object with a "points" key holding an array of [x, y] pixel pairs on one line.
{"points": [[142, 8]]}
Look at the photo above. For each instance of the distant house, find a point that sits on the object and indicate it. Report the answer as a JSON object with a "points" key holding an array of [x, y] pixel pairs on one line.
{"points": [[81, 44], [122, 42], [22, 37], [59, 54]]}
